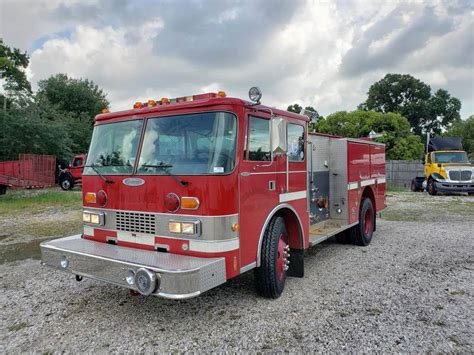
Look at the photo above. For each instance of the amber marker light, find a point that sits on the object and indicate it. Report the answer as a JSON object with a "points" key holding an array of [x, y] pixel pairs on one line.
{"points": [[151, 103], [165, 100], [105, 110], [90, 197], [189, 203], [235, 227], [137, 104], [221, 94]]}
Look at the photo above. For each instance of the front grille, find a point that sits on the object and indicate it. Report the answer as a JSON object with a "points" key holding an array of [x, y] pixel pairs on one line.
{"points": [[466, 175], [135, 222], [455, 175], [460, 175]]}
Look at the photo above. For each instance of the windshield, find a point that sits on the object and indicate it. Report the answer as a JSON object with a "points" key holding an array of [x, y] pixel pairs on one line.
{"points": [[113, 148], [451, 157], [202, 143]]}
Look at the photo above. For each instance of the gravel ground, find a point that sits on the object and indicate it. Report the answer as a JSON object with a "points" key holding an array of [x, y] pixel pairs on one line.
{"points": [[411, 291]]}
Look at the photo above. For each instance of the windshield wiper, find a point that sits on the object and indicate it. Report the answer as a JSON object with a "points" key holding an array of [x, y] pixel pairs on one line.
{"points": [[165, 168], [94, 167]]}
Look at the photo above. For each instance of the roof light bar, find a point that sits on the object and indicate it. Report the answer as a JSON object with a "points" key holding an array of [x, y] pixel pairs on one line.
{"points": [[165, 100]]}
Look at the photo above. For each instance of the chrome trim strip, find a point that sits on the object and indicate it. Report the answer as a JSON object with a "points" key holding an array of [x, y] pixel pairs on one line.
{"points": [[161, 213], [137, 238], [269, 217], [352, 185], [248, 267], [381, 180], [214, 246], [291, 196], [88, 230], [367, 182], [278, 172]]}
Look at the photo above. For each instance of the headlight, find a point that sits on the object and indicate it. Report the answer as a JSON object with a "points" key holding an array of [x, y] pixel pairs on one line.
{"points": [[93, 218], [188, 228]]}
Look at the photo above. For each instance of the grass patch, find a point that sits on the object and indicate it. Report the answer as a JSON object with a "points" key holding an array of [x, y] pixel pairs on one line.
{"points": [[35, 201], [18, 326]]}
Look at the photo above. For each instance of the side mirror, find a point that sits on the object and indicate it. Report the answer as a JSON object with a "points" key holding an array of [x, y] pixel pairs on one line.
{"points": [[278, 136]]}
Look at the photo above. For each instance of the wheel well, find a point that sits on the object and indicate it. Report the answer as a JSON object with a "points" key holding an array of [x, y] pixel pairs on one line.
{"points": [[295, 234], [369, 193], [293, 225]]}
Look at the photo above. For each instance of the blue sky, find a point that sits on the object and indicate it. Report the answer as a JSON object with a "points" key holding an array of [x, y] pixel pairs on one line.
{"points": [[320, 53]]}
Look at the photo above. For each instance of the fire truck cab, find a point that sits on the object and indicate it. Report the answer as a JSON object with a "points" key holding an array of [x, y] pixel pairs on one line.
{"points": [[181, 195]]}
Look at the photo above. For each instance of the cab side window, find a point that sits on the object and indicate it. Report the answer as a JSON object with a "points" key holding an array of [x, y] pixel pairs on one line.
{"points": [[259, 139], [295, 136]]}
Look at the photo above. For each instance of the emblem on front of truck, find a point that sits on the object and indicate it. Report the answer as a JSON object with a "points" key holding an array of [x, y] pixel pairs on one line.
{"points": [[133, 181]]}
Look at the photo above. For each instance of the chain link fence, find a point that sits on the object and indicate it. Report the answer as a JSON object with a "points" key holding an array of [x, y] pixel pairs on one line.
{"points": [[399, 173]]}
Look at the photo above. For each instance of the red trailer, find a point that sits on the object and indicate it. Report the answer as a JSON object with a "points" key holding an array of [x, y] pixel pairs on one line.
{"points": [[28, 172], [181, 195]]}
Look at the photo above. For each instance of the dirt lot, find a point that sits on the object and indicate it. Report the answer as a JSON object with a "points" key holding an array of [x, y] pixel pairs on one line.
{"points": [[411, 290]]}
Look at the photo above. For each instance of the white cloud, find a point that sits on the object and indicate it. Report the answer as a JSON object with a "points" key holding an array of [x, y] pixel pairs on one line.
{"points": [[323, 54]]}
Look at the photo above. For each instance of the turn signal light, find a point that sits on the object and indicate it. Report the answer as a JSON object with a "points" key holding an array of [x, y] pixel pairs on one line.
{"points": [[90, 197], [189, 203]]}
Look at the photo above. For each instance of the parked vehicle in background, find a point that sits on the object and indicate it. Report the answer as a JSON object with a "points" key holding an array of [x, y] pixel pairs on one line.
{"points": [[181, 195], [447, 168], [72, 175], [29, 171]]}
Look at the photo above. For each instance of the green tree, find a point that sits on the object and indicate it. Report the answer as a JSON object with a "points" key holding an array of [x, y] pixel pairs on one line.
{"points": [[294, 108], [78, 100], [13, 62], [465, 130], [78, 96], [400, 143], [404, 94]]}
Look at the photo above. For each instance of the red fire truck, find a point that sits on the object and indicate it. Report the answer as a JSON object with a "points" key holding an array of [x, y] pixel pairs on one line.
{"points": [[181, 195]]}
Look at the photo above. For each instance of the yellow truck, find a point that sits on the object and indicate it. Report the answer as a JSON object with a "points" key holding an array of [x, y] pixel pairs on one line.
{"points": [[447, 168]]}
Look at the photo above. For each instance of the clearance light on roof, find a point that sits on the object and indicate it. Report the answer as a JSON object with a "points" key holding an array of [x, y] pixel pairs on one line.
{"points": [[165, 100], [137, 104], [151, 103], [221, 94], [105, 110]]}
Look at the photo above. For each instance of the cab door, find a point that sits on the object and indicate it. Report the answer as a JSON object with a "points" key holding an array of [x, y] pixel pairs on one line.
{"points": [[258, 192]]}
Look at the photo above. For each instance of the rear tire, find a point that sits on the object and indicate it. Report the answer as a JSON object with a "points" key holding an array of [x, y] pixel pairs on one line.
{"points": [[270, 277], [362, 233], [431, 187], [413, 186], [66, 183]]}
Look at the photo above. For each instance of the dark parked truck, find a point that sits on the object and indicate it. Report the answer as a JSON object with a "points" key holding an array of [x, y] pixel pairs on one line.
{"points": [[447, 168], [181, 195]]}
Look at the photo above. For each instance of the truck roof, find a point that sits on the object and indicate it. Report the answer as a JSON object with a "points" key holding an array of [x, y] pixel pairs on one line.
{"points": [[202, 100]]}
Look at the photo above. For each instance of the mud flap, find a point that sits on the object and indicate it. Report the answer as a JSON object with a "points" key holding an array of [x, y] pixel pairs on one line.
{"points": [[296, 263]]}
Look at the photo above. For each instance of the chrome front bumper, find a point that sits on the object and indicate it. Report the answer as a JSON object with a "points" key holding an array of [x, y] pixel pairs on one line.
{"points": [[179, 276]]}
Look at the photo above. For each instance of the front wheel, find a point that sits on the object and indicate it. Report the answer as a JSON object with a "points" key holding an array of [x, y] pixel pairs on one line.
{"points": [[67, 183], [432, 187], [270, 277], [362, 233]]}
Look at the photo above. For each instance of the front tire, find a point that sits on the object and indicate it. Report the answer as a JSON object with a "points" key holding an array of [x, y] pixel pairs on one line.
{"points": [[67, 183], [431, 187], [270, 277], [362, 233]]}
